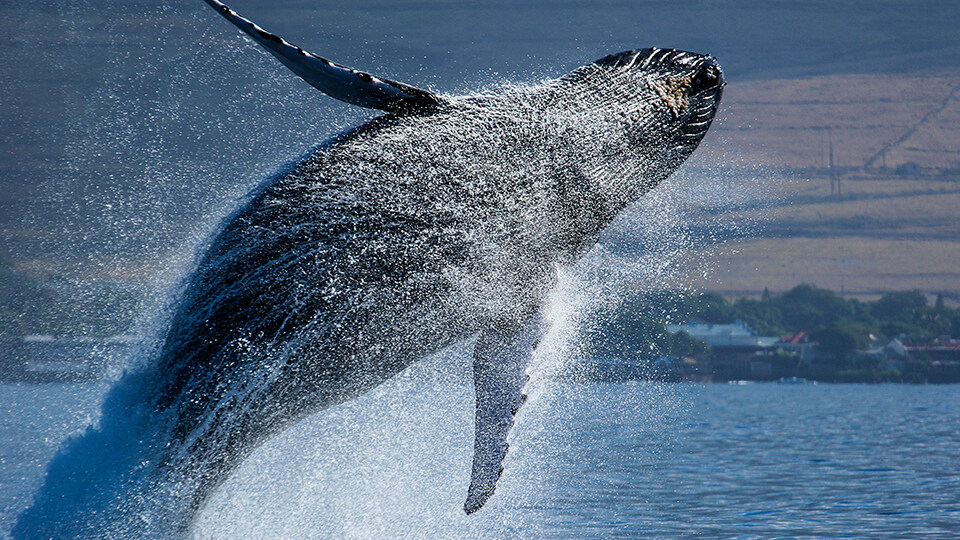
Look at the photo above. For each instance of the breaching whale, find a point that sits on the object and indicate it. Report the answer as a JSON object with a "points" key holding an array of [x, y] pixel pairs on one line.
{"points": [[444, 219]]}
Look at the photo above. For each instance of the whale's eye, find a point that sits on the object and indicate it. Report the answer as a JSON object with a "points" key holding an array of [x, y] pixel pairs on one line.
{"points": [[707, 77]]}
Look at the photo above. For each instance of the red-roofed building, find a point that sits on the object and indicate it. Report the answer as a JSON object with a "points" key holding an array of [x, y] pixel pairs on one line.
{"points": [[798, 344]]}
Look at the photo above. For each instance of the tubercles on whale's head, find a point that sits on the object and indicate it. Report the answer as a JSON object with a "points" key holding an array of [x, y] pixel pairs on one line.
{"points": [[661, 87], [653, 107]]}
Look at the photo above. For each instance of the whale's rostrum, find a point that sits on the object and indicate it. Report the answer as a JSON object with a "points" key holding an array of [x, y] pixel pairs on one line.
{"points": [[443, 219]]}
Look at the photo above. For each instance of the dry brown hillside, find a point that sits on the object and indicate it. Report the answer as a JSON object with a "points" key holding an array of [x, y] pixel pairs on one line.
{"points": [[895, 223]]}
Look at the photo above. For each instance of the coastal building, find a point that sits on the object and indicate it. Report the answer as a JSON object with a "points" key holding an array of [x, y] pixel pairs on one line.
{"points": [[737, 351], [736, 335], [798, 344]]}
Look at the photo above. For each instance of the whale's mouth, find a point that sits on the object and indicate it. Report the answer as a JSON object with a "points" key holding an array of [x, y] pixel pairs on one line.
{"points": [[705, 88], [708, 77], [696, 126], [687, 85]]}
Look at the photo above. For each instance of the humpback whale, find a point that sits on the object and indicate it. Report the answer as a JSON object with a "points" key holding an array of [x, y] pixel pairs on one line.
{"points": [[443, 219]]}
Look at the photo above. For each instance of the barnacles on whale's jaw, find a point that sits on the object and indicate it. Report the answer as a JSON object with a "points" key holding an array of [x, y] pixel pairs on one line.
{"points": [[674, 92]]}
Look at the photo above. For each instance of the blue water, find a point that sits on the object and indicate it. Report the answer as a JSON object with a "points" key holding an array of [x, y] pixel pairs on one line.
{"points": [[190, 117], [587, 461]]}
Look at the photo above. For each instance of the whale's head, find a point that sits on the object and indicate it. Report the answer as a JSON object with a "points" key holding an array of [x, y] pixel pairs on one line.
{"points": [[640, 114], [665, 96]]}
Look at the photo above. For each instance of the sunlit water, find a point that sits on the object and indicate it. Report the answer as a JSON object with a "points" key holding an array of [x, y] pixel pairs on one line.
{"points": [[588, 461]]}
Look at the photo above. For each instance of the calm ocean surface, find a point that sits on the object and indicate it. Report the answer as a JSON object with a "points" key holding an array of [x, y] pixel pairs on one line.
{"points": [[587, 461]]}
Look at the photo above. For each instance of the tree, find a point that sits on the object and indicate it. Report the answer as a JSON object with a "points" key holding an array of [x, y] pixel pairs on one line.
{"points": [[837, 341], [623, 335], [764, 317], [806, 306], [683, 344], [712, 308], [899, 305]]}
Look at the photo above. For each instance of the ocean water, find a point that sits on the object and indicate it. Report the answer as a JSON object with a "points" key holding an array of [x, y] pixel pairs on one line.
{"points": [[158, 120], [587, 460]]}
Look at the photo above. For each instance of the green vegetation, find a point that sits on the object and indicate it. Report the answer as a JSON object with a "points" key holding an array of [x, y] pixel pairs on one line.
{"points": [[843, 325], [842, 330]]}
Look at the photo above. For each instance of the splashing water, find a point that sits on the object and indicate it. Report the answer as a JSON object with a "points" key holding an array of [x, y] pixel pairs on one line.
{"points": [[527, 179], [393, 463]]}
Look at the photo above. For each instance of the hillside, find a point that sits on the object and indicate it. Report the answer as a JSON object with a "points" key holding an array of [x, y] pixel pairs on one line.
{"points": [[885, 218]]}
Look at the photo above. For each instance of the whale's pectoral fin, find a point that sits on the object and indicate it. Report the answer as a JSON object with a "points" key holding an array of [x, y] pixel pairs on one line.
{"points": [[337, 81], [500, 360]]}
